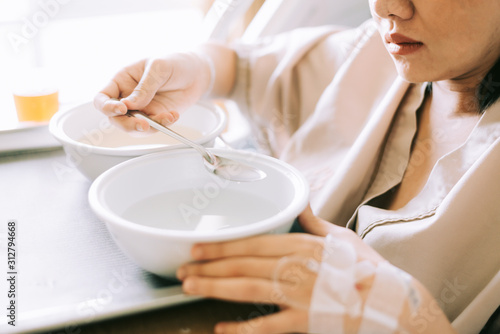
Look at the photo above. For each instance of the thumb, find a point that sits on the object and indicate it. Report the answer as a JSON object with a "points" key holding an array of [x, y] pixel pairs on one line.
{"points": [[146, 89], [313, 224]]}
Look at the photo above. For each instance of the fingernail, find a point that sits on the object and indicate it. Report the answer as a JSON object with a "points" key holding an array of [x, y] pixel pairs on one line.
{"points": [[167, 121], [139, 127], [175, 116], [171, 118], [189, 286], [118, 111], [132, 98], [181, 273]]}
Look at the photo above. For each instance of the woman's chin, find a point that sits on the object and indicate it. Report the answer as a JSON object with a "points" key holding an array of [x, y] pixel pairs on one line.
{"points": [[413, 74], [413, 78]]}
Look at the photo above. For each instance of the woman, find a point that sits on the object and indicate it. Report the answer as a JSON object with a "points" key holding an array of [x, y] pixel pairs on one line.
{"points": [[397, 132]]}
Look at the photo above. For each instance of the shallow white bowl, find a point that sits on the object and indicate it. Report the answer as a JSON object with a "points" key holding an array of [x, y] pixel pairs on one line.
{"points": [[152, 204], [93, 145]]}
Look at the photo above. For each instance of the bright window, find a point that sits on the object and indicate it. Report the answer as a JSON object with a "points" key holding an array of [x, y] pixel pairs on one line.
{"points": [[82, 43]]}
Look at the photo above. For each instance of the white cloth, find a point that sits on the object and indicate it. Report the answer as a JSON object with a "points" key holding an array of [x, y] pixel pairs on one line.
{"points": [[324, 99]]}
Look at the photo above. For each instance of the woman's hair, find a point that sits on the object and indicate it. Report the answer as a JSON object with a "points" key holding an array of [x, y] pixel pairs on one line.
{"points": [[488, 91]]}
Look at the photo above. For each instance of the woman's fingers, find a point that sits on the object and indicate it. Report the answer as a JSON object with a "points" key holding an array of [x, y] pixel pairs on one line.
{"points": [[289, 269], [107, 101], [116, 110], [240, 289], [156, 72], [131, 123], [265, 245], [252, 290], [231, 267], [313, 224], [159, 110], [287, 321]]}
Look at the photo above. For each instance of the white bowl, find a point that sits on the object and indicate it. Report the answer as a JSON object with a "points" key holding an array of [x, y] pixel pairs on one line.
{"points": [[157, 206], [93, 145]]}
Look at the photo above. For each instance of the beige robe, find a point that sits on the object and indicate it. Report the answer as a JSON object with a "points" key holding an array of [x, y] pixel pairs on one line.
{"points": [[324, 99]]}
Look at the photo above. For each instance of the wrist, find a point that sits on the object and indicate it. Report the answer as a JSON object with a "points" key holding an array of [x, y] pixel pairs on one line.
{"points": [[208, 63], [219, 69]]}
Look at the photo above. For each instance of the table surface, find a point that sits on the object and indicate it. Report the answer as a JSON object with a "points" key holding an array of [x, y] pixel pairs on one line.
{"points": [[68, 263], [197, 317]]}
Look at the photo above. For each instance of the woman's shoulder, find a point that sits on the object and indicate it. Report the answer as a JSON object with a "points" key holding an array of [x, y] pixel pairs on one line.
{"points": [[348, 39]]}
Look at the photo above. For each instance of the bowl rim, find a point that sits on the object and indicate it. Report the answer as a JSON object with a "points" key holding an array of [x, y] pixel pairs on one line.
{"points": [[290, 213], [55, 128]]}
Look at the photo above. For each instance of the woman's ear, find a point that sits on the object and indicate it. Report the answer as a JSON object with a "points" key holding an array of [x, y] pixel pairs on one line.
{"points": [[313, 224]]}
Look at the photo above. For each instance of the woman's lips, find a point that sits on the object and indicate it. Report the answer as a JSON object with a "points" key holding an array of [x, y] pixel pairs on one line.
{"points": [[401, 45]]}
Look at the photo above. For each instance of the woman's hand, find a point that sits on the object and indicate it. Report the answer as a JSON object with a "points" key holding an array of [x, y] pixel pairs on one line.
{"points": [[160, 88], [268, 269]]}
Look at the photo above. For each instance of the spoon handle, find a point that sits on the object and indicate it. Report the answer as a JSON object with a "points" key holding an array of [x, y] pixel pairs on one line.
{"points": [[209, 157]]}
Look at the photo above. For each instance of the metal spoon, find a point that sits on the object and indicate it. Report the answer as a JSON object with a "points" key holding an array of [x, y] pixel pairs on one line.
{"points": [[226, 168]]}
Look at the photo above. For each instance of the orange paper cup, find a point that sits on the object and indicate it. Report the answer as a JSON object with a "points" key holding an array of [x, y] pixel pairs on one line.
{"points": [[36, 95], [36, 108]]}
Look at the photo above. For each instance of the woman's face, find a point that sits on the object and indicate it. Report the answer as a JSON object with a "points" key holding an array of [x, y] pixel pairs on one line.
{"points": [[433, 40]]}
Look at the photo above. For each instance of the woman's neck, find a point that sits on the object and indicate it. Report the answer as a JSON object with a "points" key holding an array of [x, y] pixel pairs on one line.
{"points": [[455, 100], [459, 96]]}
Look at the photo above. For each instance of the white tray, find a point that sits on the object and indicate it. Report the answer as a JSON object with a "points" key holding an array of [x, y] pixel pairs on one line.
{"points": [[70, 272], [29, 137]]}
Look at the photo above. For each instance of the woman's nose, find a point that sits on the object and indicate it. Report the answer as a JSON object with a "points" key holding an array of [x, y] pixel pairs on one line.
{"points": [[387, 9]]}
